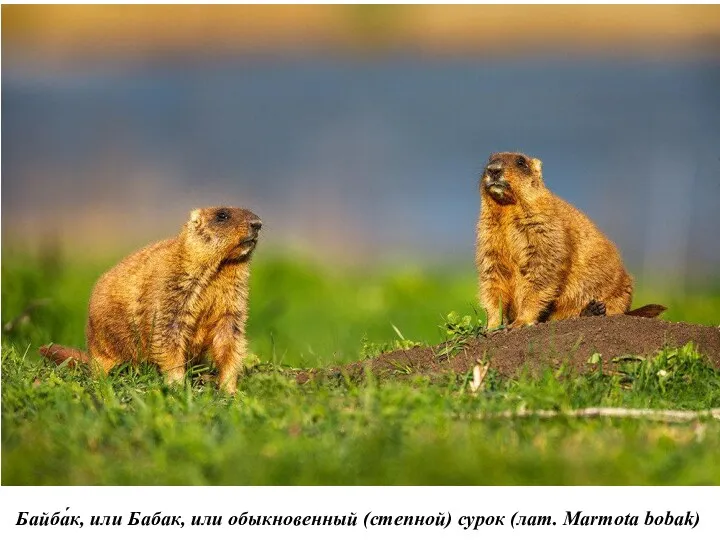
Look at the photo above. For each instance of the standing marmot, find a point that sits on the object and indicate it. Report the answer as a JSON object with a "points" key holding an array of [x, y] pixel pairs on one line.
{"points": [[538, 258], [175, 300]]}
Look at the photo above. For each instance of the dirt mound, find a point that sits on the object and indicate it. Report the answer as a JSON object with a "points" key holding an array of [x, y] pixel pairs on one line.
{"points": [[548, 344]]}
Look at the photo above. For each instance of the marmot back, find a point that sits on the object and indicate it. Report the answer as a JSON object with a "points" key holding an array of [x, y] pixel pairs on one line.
{"points": [[176, 300], [538, 257]]}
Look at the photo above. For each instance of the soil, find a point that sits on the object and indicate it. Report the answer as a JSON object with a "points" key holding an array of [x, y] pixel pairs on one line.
{"points": [[548, 344]]}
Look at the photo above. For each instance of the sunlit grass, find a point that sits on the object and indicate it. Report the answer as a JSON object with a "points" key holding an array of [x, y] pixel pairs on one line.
{"points": [[61, 426]]}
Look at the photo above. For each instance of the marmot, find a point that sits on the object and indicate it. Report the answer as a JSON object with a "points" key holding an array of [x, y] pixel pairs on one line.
{"points": [[539, 258], [174, 301]]}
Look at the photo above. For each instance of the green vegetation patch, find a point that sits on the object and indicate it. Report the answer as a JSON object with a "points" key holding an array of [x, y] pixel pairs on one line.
{"points": [[60, 426]]}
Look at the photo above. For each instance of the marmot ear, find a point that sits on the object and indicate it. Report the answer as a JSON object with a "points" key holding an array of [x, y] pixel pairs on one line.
{"points": [[537, 165], [195, 216], [537, 180]]}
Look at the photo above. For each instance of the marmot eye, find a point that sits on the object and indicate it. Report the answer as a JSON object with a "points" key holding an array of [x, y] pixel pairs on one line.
{"points": [[221, 216], [521, 162]]}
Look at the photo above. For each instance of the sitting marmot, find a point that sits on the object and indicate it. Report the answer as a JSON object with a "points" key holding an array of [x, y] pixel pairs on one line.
{"points": [[538, 258]]}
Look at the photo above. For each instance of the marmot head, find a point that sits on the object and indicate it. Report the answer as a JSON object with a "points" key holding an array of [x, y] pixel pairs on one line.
{"points": [[223, 233], [511, 176]]}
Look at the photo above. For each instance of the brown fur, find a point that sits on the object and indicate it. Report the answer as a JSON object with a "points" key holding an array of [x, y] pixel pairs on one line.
{"points": [[649, 311], [174, 301], [539, 258]]}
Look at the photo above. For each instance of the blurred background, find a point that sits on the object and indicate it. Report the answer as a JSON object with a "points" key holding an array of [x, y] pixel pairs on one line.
{"points": [[358, 133]]}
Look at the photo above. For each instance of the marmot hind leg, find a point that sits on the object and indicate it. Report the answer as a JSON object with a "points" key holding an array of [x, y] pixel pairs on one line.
{"points": [[595, 308], [172, 366]]}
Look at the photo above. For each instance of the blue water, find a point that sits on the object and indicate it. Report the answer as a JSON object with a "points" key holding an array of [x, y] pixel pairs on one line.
{"points": [[393, 146]]}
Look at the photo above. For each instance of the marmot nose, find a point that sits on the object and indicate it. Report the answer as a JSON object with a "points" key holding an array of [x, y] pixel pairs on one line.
{"points": [[255, 225], [494, 167]]}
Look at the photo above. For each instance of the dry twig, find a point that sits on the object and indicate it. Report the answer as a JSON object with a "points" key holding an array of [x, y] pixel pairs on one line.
{"points": [[479, 373], [657, 415]]}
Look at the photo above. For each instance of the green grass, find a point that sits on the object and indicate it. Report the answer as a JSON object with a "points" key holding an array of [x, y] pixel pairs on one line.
{"points": [[60, 426]]}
